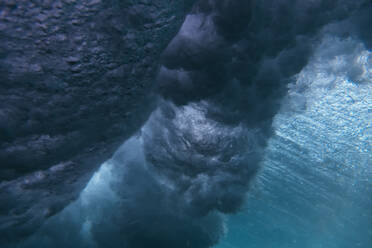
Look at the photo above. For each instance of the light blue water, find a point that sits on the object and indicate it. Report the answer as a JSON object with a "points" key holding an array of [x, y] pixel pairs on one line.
{"points": [[315, 188]]}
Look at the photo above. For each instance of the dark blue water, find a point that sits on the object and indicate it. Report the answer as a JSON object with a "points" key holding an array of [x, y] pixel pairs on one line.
{"points": [[314, 189]]}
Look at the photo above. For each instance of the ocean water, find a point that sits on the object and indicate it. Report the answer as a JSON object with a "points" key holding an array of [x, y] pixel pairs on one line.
{"points": [[315, 186]]}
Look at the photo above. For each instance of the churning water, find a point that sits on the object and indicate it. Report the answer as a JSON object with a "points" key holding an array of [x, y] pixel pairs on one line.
{"points": [[314, 188]]}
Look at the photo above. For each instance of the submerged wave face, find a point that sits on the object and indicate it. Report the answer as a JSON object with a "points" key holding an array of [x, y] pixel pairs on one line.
{"points": [[272, 96], [74, 79]]}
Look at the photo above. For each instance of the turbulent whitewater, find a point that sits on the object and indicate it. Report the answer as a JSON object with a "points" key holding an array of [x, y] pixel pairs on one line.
{"points": [[256, 132]]}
